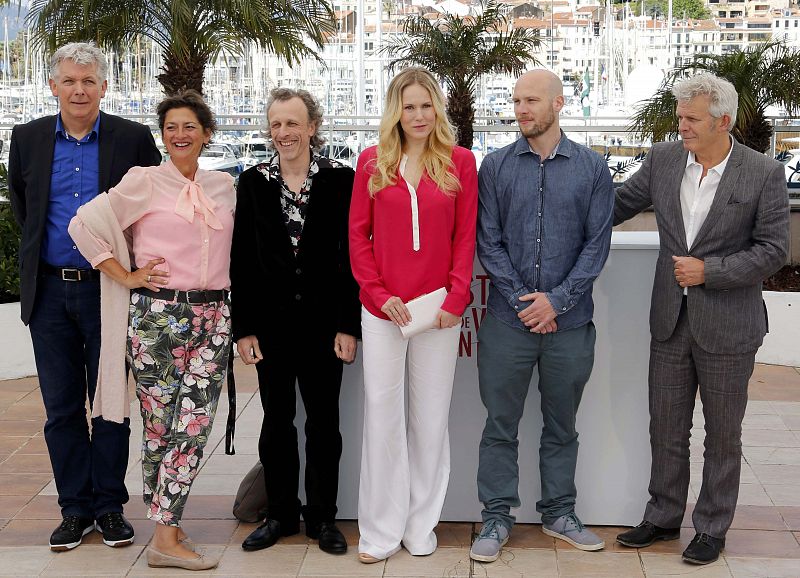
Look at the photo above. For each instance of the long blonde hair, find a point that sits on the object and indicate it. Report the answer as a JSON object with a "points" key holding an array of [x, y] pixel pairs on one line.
{"points": [[436, 159]]}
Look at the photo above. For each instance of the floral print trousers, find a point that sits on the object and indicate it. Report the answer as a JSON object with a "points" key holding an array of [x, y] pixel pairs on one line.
{"points": [[178, 354]]}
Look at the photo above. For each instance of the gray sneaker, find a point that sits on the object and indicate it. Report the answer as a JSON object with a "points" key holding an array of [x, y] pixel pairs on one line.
{"points": [[570, 529], [486, 547]]}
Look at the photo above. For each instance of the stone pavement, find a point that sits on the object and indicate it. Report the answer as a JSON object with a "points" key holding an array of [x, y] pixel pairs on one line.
{"points": [[763, 541]]}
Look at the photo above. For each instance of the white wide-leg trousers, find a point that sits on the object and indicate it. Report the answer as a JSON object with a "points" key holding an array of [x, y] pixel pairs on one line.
{"points": [[404, 468]]}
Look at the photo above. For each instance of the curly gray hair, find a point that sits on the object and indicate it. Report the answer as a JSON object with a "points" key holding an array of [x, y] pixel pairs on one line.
{"points": [[720, 92]]}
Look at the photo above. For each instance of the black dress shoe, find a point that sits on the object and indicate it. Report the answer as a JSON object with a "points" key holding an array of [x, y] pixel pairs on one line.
{"points": [[645, 534], [116, 530], [703, 549], [267, 534], [70, 532], [331, 539]]}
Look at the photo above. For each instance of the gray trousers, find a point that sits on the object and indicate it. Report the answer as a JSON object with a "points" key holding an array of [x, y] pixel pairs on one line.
{"points": [[678, 367], [506, 359]]}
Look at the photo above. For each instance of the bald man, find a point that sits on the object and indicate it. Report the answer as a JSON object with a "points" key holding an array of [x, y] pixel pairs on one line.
{"points": [[544, 231]]}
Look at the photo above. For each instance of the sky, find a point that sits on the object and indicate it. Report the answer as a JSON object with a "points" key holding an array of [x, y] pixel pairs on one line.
{"points": [[16, 18]]}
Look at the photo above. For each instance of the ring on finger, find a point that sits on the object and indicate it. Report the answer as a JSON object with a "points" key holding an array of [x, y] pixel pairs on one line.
{"points": [[148, 278]]}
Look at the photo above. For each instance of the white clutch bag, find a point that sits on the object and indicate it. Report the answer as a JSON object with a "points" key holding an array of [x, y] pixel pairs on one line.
{"points": [[423, 311]]}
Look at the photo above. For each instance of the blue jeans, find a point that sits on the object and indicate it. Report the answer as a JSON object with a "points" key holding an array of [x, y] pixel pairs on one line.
{"points": [[65, 330], [506, 359]]}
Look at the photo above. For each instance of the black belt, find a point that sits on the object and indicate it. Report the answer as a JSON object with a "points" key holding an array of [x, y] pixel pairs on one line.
{"points": [[69, 273], [193, 297]]}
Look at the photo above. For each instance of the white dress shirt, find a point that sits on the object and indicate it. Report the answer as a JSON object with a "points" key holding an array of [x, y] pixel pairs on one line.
{"points": [[697, 195]]}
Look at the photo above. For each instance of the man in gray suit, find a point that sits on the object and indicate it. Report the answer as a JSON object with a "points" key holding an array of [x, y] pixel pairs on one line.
{"points": [[723, 220]]}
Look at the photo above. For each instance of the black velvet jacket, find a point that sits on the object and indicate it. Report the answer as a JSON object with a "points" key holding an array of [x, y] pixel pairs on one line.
{"points": [[272, 289]]}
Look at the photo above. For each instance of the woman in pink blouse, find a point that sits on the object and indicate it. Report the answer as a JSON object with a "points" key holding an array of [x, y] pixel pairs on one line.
{"points": [[412, 231], [171, 304]]}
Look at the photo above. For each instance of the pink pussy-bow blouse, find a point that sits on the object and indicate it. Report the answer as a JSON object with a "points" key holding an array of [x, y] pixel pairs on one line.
{"points": [[189, 223]]}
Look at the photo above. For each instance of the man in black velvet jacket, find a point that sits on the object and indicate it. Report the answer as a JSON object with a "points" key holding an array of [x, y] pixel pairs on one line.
{"points": [[296, 314]]}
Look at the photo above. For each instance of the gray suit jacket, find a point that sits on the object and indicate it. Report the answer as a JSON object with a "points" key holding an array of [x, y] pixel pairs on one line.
{"points": [[744, 239]]}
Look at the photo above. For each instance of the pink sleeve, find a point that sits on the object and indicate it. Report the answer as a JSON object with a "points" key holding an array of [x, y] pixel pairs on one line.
{"points": [[362, 257], [129, 201], [92, 247], [464, 235]]}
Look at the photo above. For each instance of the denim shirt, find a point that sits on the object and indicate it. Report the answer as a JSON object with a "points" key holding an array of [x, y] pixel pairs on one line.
{"points": [[544, 226]]}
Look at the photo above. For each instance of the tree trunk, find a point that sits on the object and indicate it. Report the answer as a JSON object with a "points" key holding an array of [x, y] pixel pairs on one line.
{"points": [[461, 110], [182, 73]]}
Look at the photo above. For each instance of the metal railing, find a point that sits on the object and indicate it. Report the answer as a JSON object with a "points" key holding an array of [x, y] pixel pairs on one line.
{"points": [[348, 136]]}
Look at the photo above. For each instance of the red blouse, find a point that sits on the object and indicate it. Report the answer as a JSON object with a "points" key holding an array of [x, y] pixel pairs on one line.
{"points": [[383, 255]]}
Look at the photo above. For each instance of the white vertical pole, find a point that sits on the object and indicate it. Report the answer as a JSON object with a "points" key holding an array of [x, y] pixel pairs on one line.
{"points": [[359, 92], [670, 60]]}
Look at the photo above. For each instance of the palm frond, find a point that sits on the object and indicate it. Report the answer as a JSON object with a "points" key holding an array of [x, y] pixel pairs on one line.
{"points": [[459, 50], [763, 75], [191, 32]]}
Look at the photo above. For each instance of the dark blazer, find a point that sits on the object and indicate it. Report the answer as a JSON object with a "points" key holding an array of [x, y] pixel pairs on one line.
{"points": [[122, 144], [744, 239], [272, 288]]}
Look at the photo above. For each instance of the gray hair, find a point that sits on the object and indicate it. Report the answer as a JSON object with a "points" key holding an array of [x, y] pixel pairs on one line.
{"points": [[312, 106], [720, 92], [82, 53]]}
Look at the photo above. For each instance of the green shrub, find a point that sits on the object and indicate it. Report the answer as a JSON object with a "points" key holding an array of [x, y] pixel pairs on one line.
{"points": [[9, 245]]}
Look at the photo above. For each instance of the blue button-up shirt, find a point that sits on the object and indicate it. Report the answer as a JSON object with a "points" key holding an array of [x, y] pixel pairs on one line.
{"points": [[544, 225], [75, 180]]}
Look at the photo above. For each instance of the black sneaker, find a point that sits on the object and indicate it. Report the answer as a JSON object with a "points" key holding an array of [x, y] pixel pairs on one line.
{"points": [[115, 529], [70, 532]]}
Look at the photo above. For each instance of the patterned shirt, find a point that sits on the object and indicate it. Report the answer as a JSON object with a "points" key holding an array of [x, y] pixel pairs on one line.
{"points": [[295, 205]]}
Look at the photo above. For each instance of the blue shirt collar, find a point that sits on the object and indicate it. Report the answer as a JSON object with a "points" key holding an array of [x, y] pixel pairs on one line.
{"points": [[60, 130], [563, 148]]}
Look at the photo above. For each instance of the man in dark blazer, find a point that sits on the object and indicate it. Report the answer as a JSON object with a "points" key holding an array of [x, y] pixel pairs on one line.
{"points": [[56, 164], [296, 314], [723, 221]]}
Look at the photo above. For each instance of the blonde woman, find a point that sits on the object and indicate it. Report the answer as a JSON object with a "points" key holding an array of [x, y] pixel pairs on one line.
{"points": [[412, 231]]}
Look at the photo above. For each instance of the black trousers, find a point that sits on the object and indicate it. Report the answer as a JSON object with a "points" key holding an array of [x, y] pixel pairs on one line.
{"points": [[308, 361]]}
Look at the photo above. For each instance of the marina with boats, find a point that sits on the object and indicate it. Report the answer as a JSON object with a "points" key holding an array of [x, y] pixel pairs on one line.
{"points": [[609, 57]]}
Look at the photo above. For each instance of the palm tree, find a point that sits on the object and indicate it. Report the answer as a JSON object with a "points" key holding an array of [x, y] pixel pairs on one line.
{"points": [[191, 33], [763, 75], [460, 50]]}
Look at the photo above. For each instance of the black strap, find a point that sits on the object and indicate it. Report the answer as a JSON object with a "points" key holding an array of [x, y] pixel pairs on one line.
{"points": [[230, 428]]}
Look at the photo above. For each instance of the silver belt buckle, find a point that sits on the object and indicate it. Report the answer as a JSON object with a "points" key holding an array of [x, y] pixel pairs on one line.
{"points": [[64, 274], [194, 294]]}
